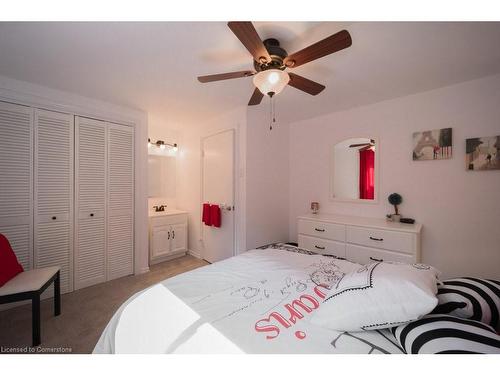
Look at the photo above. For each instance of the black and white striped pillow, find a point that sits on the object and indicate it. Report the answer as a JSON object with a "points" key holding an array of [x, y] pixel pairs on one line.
{"points": [[471, 298], [446, 334]]}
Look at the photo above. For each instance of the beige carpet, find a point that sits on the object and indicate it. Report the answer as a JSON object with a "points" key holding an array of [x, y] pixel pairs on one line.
{"points": [[85, 312]]}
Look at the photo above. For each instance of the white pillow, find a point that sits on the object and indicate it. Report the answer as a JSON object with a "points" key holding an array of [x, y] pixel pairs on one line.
{"points": [[379, 295]]}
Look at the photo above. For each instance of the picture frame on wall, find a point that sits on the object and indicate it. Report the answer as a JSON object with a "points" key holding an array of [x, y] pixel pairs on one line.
{"points": [[482, 154], [434, 144]]}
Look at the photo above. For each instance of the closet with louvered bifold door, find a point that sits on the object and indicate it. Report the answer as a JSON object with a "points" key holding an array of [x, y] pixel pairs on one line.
{"points": [[16, 179], [104, 200], [53, 194], [67, 194]]}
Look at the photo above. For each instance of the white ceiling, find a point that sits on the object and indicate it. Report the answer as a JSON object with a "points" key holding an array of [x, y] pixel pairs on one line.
{"points": [[153, 66]]}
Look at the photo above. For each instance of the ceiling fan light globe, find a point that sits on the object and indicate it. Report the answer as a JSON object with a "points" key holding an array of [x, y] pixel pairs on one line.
{"points": [[271, 80]]}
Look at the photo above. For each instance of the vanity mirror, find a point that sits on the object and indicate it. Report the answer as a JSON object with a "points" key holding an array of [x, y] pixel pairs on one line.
{"points": [[354, 170], [161, 175]]}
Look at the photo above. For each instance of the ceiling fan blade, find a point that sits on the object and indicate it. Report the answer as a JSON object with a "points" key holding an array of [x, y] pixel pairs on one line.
{"points": [[247, 35], [256, 97], [223, 76], [305, 84], [333, 43]]}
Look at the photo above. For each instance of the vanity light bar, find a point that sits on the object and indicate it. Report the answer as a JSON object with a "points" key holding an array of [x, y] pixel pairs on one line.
{"points": [[161, 144]]}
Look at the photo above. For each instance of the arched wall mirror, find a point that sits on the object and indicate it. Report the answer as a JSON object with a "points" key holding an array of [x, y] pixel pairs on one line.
{"points": [[354, 170]]}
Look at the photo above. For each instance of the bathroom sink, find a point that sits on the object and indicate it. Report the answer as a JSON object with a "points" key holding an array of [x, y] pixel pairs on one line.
{"points": [[167, 212]]}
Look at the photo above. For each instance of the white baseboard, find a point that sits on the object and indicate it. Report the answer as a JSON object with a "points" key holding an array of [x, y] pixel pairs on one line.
{"points": [[194, 253], [142, 270]]}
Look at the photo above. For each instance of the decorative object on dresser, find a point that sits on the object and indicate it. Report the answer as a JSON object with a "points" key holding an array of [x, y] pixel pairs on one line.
{"points": [[432, 144], [167, 235], [314, 207], [361, 240], [395, 199], [482, 154]]}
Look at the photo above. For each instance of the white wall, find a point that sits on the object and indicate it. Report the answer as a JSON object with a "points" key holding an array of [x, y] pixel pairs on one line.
{"points": [[189, 173], [459, 210], [267, 187]]}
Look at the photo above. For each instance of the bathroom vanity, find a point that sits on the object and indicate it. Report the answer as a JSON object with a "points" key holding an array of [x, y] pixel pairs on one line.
{"points": [[167, 235]]}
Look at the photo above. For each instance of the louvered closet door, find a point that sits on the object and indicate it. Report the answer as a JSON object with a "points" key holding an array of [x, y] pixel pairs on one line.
{"points": [[16, 180], [120, 209], [54, 194], [90, 192]]}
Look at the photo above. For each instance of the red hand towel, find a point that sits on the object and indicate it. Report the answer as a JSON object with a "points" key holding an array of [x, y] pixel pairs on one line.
{"points": [[206, 214], [215, 215]]}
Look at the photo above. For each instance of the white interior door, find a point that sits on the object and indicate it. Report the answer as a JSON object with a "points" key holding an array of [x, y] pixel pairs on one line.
{"points": [[120, 202], [90, 190], [53, 234], [218, 188]]}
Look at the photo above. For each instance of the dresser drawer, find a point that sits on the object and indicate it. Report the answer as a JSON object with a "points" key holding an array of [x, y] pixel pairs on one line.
{"points": [[328, 231], [322, 246], [383, 239], [364, 255]]}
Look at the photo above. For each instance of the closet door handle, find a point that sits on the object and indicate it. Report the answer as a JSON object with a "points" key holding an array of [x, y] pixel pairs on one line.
{"points": [[173, 234], [319, 247], [376, 239], [168, 235], [376, 260], [319, 230], [53, 217]]}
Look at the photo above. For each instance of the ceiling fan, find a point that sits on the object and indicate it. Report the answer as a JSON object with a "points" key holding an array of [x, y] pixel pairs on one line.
{"points": [[270, 62]]}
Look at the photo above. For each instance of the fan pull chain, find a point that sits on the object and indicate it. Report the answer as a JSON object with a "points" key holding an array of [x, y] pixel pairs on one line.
{"points": [[272, 113]]}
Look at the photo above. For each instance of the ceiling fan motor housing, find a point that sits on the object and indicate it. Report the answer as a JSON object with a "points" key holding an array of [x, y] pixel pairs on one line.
{"points": [[277, 54]]}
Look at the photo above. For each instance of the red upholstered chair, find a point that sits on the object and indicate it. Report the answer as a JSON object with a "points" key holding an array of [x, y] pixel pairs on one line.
{"points": [[18, 285]]}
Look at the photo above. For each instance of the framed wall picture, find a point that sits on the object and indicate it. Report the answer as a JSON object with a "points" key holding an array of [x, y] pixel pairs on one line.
{"points": [[483, 153], [432, 144]]}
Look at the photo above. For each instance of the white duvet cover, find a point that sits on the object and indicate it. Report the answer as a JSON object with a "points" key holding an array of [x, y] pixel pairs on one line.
{"points": [[258, 302]]}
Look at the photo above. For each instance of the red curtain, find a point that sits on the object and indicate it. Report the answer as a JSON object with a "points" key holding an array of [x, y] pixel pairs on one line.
{"points": [[366, 174]]}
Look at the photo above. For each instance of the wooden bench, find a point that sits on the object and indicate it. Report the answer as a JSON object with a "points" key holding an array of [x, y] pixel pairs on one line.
{"points": [[30, 285]]}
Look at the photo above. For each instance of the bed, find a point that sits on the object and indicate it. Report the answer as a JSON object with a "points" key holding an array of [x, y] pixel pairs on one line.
{"points": [[244, 304]]}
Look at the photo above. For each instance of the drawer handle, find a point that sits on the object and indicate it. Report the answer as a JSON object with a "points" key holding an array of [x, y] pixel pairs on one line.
{"points": [[92, 215], [376, 239], [53, 217], [376, 260], [319, 247], [319, 230]]}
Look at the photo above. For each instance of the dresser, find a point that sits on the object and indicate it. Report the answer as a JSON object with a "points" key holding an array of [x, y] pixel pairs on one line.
{"points": [[358, 239], [167, 235]]}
